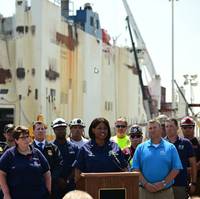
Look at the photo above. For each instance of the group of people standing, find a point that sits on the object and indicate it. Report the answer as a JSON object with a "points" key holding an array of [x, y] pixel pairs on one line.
{"points": [[39, 169], [169, 165]]}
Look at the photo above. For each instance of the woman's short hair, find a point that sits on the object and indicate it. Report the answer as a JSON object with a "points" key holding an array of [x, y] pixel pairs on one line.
{"points": [[20, 130], [95, 123]]}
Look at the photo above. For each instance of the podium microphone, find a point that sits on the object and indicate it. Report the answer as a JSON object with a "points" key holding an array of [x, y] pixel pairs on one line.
{"points": [[116, 160]]}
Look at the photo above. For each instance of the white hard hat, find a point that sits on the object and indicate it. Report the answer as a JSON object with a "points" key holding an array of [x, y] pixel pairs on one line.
{"points": [[77, 122], [59, 122]]}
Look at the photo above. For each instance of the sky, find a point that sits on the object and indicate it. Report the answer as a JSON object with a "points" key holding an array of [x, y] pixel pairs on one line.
{"points": [[153, 18]]}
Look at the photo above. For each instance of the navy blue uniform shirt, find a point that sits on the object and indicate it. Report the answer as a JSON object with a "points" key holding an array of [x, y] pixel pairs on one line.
{"points": [[196, 147], [25, 173], [185, 151], [94, 158], [68, 152], [53, 155]]}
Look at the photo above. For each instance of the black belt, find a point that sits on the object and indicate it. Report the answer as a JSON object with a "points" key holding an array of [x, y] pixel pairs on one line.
{"points": [[157, 191]]}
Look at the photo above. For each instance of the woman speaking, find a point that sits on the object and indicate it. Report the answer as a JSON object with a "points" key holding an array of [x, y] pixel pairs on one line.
{"points": [[99, 154]]}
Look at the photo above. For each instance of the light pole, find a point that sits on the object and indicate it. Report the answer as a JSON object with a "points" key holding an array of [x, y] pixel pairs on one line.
{"points": [[172, 81], [191, 80]]}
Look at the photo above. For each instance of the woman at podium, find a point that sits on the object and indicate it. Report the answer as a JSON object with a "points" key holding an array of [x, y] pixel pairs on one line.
{"points": [[100, 154]]}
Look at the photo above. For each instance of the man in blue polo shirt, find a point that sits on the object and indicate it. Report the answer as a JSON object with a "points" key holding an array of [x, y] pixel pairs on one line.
{"points": [[186, 154], [159, 163]]}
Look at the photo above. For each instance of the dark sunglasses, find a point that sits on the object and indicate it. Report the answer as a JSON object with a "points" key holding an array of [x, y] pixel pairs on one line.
{"points": [[120, 126], [135, 136], [187, 127]]}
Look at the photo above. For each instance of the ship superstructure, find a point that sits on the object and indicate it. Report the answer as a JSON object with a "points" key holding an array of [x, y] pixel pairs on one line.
{"points": [[60, 65]]}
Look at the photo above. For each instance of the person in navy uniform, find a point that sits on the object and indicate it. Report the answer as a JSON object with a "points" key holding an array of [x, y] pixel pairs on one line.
{"points": [[68, 151], [10, 141], [186, 154], [99, 154], [8, 134], [51, 153], [24, 171], [188, 128]]}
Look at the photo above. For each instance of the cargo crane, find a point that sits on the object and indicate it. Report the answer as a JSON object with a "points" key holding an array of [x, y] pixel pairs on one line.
{"points": [[145, 61]]}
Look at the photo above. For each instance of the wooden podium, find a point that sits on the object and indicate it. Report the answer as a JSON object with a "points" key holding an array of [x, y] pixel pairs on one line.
{"points": [[116, 185]]}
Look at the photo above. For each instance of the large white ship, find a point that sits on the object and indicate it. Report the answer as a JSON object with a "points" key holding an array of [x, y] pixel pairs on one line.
{"points": [[57, 65]]}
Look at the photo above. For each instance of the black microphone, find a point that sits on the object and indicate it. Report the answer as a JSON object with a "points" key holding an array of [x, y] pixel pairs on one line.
{"points": [[116, 160]]}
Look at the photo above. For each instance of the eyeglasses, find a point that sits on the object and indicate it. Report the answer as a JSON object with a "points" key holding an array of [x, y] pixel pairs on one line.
{"points": [[120, 126], [135, 136], [24, 137], [187, 127]]}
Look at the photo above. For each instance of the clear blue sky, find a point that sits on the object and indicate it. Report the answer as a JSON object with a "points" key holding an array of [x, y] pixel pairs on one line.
{"points": [[154, 21]]}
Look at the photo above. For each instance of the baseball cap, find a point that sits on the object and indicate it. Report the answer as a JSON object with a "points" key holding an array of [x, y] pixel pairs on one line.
{"points": [[8, 127], [77, 122], [59, 122], [187, 121], [135, 129]]}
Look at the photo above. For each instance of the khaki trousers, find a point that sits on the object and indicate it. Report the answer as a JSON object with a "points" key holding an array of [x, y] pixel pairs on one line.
{"points": [[165, 194]]}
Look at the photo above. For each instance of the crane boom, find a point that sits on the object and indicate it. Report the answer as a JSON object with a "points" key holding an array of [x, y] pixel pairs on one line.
{"points": [[146, 101], [142, 50], [140, 41], [145, 59]]}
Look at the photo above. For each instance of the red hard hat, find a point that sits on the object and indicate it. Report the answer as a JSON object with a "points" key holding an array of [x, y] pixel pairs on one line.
{"points": [[187, 121]]}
